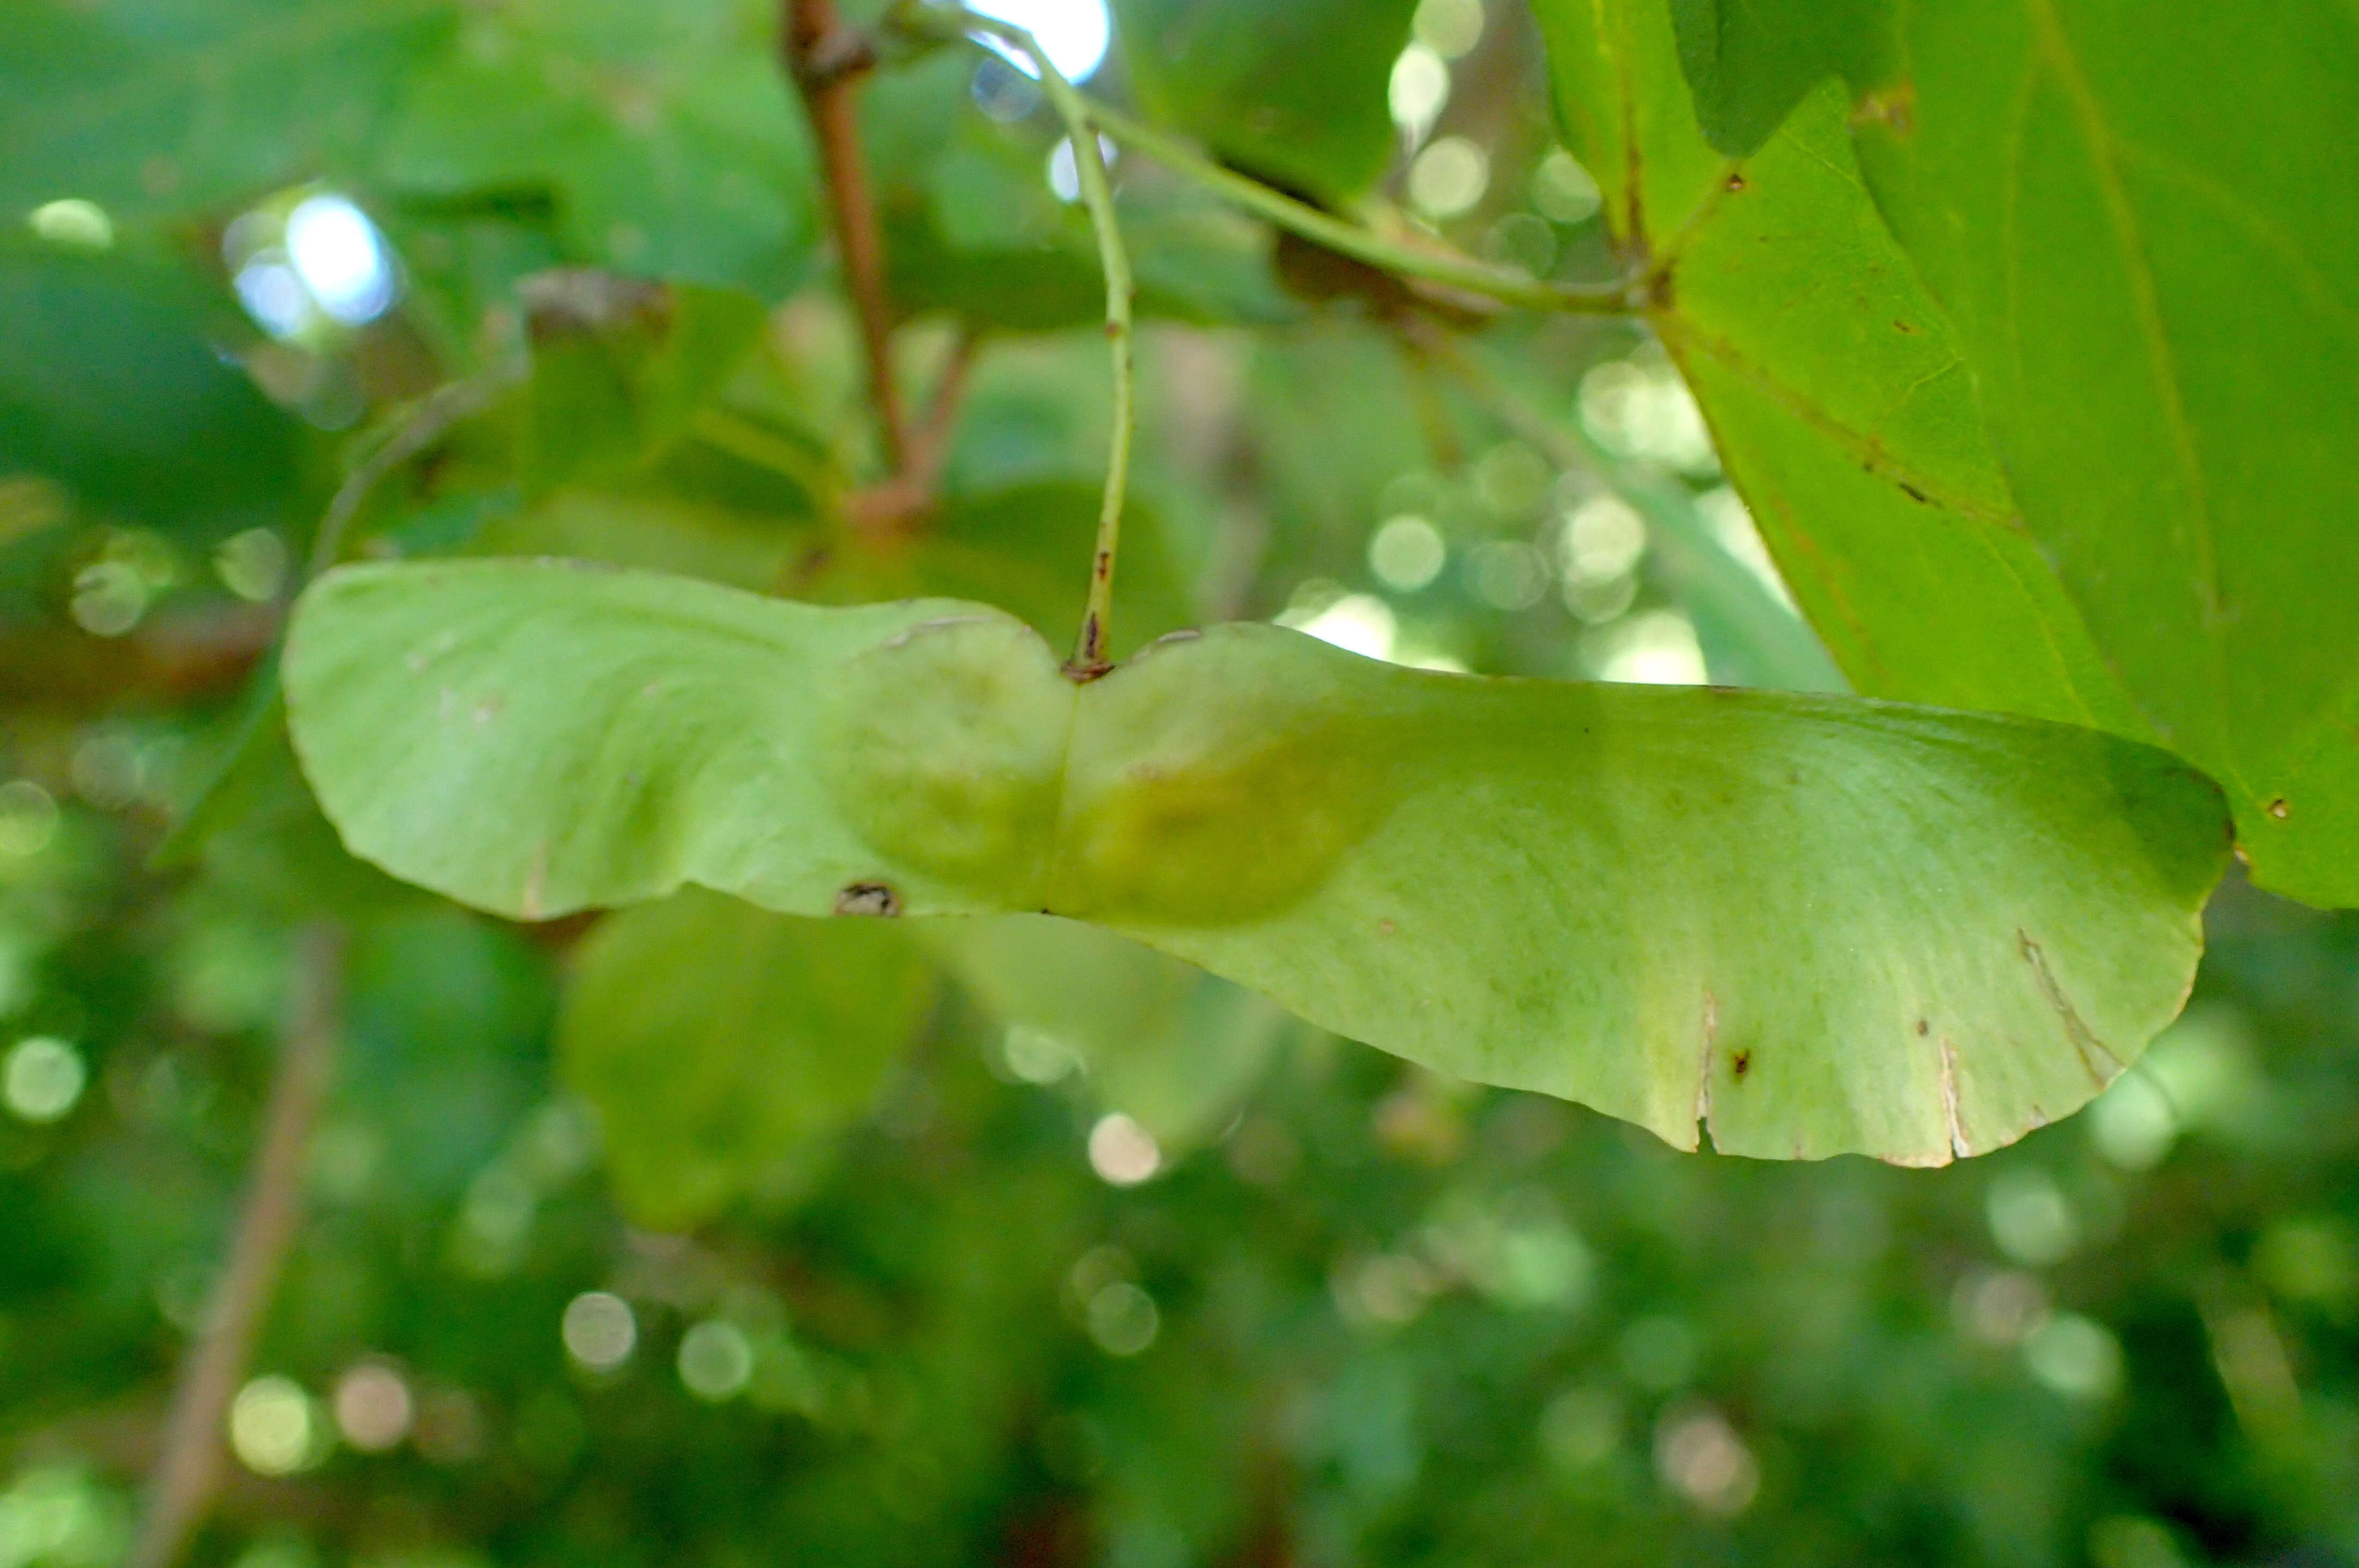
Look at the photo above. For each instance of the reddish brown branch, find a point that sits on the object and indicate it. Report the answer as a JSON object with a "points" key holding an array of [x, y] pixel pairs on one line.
{"points": [[188, 1470], [827, 61], [891, 511]]}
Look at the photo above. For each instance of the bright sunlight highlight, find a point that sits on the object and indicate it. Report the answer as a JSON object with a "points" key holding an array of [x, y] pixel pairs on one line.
{"points": [[1074, 34], [341, 259]]}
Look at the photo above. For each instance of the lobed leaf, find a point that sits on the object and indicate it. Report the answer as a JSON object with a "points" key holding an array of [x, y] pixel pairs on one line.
{"points": [[2133, 215], [1833, 385], [1749, 62], [1808, 924]]}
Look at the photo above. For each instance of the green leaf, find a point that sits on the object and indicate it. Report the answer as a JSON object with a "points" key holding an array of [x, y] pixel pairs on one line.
{"points": [[1292, 91], [1749, 62], [1817, 925], [2136, 220], [1833, 386], [724, 1045], [620, 368], [536, 738], [153, 108], [110, 384], [666, 134], [1171, 1046]]}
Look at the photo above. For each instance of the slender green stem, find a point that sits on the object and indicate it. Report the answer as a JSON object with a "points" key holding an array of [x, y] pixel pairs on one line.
{"points": [[1090, 659], [927, 17], [1435, 265], [427, 423]]}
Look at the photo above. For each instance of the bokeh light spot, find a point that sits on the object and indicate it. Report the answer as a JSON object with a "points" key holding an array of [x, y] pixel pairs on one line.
{"points": [[1122, 1318], [1417, 90], [1700, 1456], [273, 1429], [1563, 191], [716, 1360], [340, 259], [1450, 28], [252, 565], [28, 819], [83, 226], [1449, 178], [374, 1407], [2076, 1357], [42, 1078], [599, 1330], [1121, 1151], [1407, 553]]}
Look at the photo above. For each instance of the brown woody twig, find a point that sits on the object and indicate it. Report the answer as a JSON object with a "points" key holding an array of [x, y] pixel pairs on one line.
{"points": [[826, 60], [188, 1470]]}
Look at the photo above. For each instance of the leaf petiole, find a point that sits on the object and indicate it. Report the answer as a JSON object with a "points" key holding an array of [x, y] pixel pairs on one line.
{"points": [[1430, 263], [1089, 660]]}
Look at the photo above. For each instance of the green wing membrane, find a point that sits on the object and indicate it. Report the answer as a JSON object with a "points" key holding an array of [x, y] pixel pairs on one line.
{"points": [[1808, 925]]}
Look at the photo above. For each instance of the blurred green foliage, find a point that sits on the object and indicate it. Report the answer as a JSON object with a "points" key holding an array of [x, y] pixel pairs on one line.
{"points": [[1086, 1260]]}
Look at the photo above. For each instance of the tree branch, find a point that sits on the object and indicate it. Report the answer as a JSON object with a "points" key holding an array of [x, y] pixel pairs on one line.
{"points": [[827, 61], [189, 1468]]}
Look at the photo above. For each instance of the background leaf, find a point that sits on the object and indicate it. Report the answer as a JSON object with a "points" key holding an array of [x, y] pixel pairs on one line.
{"points": [[1292, 91], [620, 368], [1749, 63], [110, 385], [1172, 1047], [153, 108], [666, 135], [1842, 411], [2133, 202], [724, 1045]]}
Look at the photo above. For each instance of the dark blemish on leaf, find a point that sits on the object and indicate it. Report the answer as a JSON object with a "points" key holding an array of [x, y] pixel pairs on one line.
{"points": [[1386, 927], [1105, 565], [1743, 1063], [868, 898], [1113, 328], [1894, 107], [1911, 492], [1924, 1027], [1902, 327], [1736, 183], [2280, 809], [1793, 777]]}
